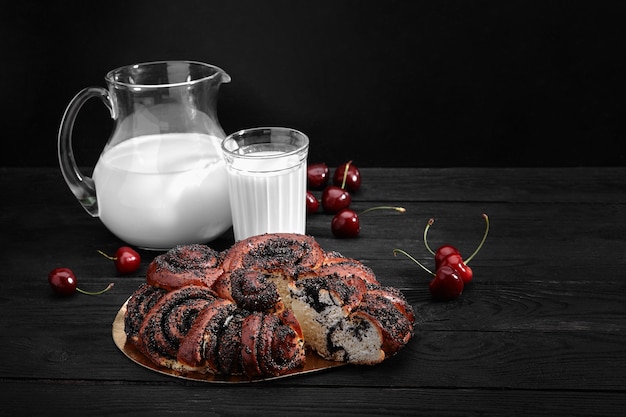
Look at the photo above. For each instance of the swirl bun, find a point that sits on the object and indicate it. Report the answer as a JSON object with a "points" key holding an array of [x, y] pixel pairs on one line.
{"points": [[185, 265], [250, 289], [169, 321], [138, 307], [254, 309], [285, 252]]}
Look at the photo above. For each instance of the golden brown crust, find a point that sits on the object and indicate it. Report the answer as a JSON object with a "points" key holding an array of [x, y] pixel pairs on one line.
{"points": [[396, 298], [395, 327], [275, 252], [347, 267], [185, 265], [281, 346]]}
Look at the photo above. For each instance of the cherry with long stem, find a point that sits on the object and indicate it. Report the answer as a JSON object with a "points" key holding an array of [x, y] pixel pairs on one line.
{"points": [[349, 179], [346, 223], [126, 259], [63, 281]]}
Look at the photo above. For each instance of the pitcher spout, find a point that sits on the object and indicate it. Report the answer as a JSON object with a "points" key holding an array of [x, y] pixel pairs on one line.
{"points": [[224, 77]]}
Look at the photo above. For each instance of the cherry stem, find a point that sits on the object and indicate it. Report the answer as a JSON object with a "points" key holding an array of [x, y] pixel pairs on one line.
{"points": [[345, 174], [430, 223], [97, 292], [106, 256], [480, 245], [400, 209], [395, 251]]}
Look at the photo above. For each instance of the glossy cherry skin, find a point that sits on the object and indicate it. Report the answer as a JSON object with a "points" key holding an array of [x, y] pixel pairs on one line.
{"points": [[345, 224], [312, 203], [456, 262], [335, 199], [127, 260], [353, 178], [442, 253], [446, 285], [62, 281], [317, 175]]}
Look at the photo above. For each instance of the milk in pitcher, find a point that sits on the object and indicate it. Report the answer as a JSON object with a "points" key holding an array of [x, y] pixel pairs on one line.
{"points": [[164, 188]]}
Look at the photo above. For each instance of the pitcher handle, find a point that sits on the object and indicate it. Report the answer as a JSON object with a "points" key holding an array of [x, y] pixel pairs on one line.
{"points": [[81, 185]]}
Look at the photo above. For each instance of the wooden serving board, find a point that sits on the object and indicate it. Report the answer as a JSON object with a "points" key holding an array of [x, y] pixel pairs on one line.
{"points": [[313, 363]]}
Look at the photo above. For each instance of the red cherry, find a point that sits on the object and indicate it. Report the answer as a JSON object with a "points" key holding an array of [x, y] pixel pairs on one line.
{"points": [[347, 176], [126, 259], [335, 199], [446, 285], [345, 224], [63, 282], [312, 204], [455, 261], [442, 253], [317, 175]]}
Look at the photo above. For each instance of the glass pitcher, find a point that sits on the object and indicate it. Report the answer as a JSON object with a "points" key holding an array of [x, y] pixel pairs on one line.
{"points": [[160, 180]]}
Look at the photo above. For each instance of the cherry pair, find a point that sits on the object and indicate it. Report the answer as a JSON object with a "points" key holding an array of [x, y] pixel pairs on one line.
{"points": [[451, 276], [452, 272]]}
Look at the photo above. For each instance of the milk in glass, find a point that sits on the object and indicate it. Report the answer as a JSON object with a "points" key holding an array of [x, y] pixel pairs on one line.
{"points": [[267, 193]]}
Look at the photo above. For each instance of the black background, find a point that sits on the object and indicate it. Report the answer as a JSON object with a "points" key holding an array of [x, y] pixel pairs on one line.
{"points": [[384, 83]]}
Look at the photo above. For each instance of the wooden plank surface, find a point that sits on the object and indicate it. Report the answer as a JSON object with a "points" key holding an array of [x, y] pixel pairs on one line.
{"points": [[540, 331]]}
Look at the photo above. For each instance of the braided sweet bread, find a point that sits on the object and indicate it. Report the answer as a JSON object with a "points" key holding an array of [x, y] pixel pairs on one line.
{"points": [[254, 309]]}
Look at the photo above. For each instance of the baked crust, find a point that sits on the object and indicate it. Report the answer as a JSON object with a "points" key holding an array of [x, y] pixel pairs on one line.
{"points": [[255, 308]]}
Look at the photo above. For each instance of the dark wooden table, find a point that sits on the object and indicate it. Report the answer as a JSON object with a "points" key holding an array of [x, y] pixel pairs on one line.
{"points": [[540, 331]]}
